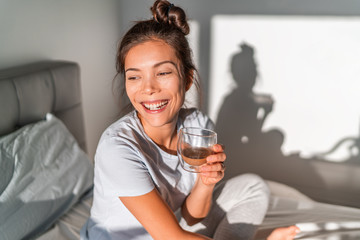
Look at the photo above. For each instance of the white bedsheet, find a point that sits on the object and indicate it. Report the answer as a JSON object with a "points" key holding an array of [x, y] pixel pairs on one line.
{"points": [[318, 221], [68, 226]]}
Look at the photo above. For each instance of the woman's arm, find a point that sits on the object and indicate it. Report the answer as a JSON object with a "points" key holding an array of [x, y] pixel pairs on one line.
{"points": [[198, 203], [156, 217]]}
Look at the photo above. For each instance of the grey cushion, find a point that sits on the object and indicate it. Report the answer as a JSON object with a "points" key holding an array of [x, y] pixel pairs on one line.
{"points": [[28, 92]]}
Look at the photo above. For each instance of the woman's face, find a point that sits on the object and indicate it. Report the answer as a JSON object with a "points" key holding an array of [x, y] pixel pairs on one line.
{"points": [[153, 83]]}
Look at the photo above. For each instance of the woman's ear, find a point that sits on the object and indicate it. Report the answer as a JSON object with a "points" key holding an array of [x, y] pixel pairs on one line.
{"points": [[189, 81]]}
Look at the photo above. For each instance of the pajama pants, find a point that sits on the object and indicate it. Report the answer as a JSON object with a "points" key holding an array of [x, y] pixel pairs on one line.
{"points": [[239, 206]]}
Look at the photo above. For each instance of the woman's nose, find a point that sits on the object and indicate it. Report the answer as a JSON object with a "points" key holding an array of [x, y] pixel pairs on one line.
{"points": [[150, 85]]}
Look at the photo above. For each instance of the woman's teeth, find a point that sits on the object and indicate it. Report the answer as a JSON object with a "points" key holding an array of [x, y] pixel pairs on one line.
{"points": [[156, 106]]}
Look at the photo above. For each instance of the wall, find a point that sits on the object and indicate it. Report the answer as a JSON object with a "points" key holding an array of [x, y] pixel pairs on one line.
{"points": [[202, 11], [249, 148], [82, 31], [87, 32]]}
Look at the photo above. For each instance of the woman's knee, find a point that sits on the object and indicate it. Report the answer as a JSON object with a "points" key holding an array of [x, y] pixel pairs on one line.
{"points": [[243, 194], [249, 184]]}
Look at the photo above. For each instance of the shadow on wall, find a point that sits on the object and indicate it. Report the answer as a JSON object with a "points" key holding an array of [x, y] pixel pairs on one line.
{"points": [[239, 126], [249, 149]]}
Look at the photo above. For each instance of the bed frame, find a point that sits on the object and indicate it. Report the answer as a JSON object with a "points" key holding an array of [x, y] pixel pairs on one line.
{"points": [[27, 94], [30, 91]]}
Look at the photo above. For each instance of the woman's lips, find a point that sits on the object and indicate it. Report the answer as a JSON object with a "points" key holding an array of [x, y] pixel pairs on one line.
{"points": [[155, 107]]}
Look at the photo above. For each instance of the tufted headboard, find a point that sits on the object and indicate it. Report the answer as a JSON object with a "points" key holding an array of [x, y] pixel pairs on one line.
{"points": [[30, 91]]}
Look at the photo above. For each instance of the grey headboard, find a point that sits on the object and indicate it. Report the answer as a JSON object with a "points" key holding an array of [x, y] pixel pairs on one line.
{"points": [[30, 91]]}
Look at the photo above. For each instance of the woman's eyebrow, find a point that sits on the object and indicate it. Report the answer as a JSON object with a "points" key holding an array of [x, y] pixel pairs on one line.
{"points": [[155, 65], [163, 62], [132, 69]]}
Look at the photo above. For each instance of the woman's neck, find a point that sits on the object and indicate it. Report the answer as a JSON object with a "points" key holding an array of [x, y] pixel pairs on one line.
{"points": [[164, 136], [169, 143]]}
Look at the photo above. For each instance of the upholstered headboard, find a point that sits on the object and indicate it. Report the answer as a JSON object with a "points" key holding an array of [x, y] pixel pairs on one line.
{"points": [[30, 91]]}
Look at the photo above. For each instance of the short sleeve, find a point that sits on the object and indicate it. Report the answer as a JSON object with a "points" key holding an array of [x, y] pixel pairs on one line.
{"points": [[120, 171], [207, 122], [195, 118]]}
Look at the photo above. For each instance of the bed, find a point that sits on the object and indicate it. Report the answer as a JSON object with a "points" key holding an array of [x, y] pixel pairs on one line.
{"points": [[47, 177], [46, 174]]}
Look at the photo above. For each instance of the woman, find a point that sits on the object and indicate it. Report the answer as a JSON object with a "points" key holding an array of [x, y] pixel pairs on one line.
{"points": [[141, 191]]}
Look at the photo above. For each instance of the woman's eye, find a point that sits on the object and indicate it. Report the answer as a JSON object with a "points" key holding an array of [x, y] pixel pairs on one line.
{"points": [[132, 78], [164, 73]]}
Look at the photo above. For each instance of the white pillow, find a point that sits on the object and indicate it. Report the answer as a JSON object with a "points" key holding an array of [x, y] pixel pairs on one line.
{"points": [[43, 174]]}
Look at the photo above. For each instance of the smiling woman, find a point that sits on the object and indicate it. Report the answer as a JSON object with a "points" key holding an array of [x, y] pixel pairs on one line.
{"points": [[140, 189]]}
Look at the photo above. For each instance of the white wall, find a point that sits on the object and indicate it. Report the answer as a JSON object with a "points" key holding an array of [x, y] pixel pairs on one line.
{"points": [[84, 31], [308, 64]]}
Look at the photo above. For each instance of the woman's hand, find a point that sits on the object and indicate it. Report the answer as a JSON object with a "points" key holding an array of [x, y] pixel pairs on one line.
{"points": [[284, 233], [198, 203], [212, 172]]}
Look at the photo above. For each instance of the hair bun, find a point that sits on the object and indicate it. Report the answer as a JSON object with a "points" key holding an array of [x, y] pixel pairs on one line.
{"points": [[165, 12]]}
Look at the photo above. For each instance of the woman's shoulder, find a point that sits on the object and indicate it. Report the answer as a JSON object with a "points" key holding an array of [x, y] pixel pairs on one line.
{"points": [[190, 113], [121, 142], [125, 130], [194, 117]]}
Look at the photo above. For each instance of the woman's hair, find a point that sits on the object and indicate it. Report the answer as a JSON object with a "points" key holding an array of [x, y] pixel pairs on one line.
{"points": [[169, 24]]}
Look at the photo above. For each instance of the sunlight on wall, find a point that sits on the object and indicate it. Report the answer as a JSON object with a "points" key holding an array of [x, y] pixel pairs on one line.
{"points": [[309, 66], [192, 97]]}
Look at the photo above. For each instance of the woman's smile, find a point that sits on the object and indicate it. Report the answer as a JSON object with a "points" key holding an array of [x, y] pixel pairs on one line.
{"points": [[155, 106]]}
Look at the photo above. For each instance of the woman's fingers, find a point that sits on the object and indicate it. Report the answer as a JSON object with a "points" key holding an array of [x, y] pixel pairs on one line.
{"points": [[215, 175], [213, 171], [215, 167], [222, 166], [215, 158], [218, 156], [218, 147]]}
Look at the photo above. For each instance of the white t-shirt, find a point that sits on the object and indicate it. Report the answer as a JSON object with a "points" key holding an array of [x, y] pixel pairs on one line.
{"points": [[129, 163]]}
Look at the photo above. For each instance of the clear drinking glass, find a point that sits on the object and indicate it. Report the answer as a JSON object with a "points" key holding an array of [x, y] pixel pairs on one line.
{"points": [[194, 145]]}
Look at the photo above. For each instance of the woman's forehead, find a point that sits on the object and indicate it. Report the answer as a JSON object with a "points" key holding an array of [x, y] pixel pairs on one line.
{"points": [[150, 53]]}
